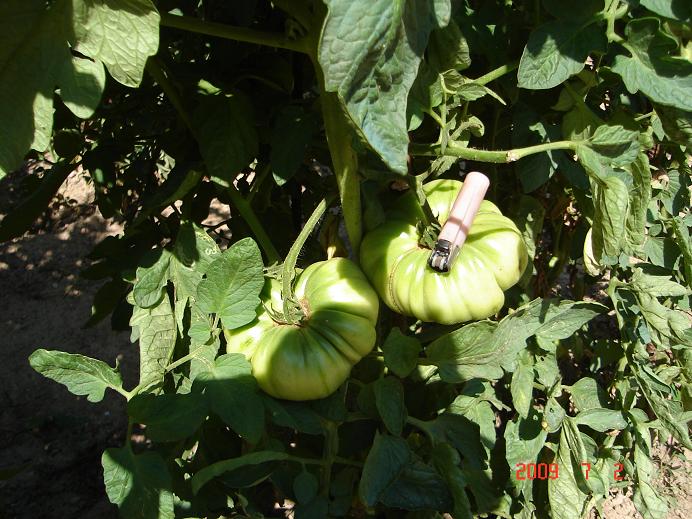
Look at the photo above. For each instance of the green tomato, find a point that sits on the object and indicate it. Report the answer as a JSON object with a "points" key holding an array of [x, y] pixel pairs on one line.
{"points": [[312, 359], [491, 260]]}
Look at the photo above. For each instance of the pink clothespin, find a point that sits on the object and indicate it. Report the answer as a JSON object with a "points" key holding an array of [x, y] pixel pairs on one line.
{"points": [[456, 228]]}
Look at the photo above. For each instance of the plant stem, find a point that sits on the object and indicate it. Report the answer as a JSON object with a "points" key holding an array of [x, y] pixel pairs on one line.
{"points": [[499, 156], [416, 185], [345, 162], [612, 14], [289, 268], [331, 448], [253, 222], [497, 73], [120, 390], [230, 32], [183, 359]]}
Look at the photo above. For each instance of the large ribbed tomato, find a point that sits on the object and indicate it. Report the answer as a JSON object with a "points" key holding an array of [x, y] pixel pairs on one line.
{"points": [[312, 359], [492, 260]]}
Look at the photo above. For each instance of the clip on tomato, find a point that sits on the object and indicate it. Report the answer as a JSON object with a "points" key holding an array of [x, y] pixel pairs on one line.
{"points": [[456, 228]]}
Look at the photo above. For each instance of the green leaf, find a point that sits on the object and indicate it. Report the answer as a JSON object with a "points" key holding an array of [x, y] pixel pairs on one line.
{"points": [[81, 375], [670, 413], [615, 144], [401, 352], [168, 417], [389, 399], [232, 394], [156, 331], [466, 353], [139, 484], [562, 320], [106, 299], [448, 49], [471, 91], [657, 286], [566, 499], [294, 415], [122, 35], [673, 9], [588, 394], [611, 201], [676, 123], [557, 50], [292, 133], [459, 431], [81, 86], [682, 238], [531, 129], [233, 283], [548, 318], [640, 196], [20, 219], [646, 498], [483, 349], [446, 461], [602, 420], [305, 487], [667, 326], [205, 352], [553, 415], [151, 277], [522, 384], [194, 248], [582, 450], [369, 52], [387, 458], [209, 472], [546, 368], [417, 487], [35, 59], [651, 68], [223, 127], [524, 440], [479, 412]]}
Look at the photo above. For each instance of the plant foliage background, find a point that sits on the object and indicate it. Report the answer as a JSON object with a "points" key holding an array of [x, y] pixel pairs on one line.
{"points": [[579, 112]]}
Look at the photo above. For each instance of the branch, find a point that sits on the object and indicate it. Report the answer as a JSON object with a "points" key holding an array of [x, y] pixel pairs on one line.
{"points": [[229, 32], [498, 157], [498, 72]]}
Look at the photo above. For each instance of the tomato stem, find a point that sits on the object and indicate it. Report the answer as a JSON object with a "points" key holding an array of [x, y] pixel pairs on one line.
{"points": [[229, 32], [497, 73], [331, 448], [344, 161], [499, 156], [416, 185], [289, 267]]}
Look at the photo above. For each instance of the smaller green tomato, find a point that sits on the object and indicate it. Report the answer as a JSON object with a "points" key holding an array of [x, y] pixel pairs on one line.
{"points": [[491, 260], [312, 359]]}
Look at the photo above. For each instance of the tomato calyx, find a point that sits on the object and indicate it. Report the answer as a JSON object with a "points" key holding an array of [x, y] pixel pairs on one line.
{"points": [[427, 234], [295, 316]]}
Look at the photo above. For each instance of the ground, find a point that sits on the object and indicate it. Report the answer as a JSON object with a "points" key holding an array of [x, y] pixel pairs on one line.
{"points": [[56, 439]]}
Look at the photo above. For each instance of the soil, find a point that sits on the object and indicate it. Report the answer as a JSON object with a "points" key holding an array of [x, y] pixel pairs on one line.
{"points": [[55, 439]]}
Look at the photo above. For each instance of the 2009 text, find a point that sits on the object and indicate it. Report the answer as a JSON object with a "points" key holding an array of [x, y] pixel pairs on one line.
{"points": [[552, 471]]}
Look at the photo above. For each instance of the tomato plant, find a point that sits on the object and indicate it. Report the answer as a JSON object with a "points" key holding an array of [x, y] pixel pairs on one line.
{"points": [[264, 388]]}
